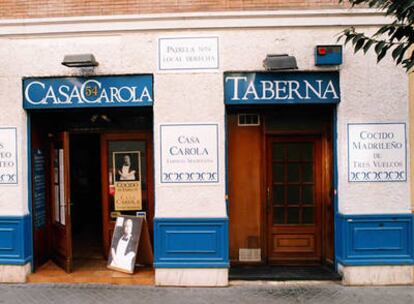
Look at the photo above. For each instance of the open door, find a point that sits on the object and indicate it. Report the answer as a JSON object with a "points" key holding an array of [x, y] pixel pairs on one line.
{"points": [[60, 201]]}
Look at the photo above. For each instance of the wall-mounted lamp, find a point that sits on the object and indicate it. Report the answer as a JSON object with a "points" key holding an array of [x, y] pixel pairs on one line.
{"points": [[80, 61], [280, 62]]}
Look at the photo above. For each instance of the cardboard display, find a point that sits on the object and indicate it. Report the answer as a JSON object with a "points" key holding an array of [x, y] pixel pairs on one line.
{"points": [[130, 244]]}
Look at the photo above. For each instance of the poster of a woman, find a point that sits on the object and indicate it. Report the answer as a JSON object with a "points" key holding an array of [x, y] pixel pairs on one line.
{"points": [[127, 166], [124, 245]]}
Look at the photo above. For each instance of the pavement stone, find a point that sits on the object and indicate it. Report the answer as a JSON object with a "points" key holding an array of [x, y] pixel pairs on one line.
{"points": [[256, 293]]}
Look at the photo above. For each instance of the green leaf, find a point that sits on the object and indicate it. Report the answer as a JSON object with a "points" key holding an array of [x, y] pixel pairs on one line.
{"points": [[367, 45], [357, 38], [359, 45], [379, 47], [348, 38], [381, 55], [398, 51]]}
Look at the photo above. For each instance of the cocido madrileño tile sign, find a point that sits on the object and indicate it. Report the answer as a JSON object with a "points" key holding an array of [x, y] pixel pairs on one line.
{"points": [[377, 152]]}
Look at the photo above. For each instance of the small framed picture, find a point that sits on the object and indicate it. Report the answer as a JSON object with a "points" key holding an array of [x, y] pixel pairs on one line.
{"points": [[127, 166], [124, 246]]}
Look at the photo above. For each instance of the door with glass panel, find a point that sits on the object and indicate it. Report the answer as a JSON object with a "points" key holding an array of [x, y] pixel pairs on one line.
{"points": [[127, 179], [294, 200], [60, 198]]}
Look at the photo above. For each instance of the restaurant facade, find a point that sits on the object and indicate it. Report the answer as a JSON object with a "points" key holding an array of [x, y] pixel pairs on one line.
{"points": [[256, 140]]}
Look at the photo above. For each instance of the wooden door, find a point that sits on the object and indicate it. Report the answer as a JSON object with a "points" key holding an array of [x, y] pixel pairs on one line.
{"points": [[60, 201], [294, 178], [119, 145], [40, 196]]}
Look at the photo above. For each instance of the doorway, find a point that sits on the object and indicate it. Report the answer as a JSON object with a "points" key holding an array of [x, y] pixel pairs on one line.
{"points": [[280, 183], [78, 149]]}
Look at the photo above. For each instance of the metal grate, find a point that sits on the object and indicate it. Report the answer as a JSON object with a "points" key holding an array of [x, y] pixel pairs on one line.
{"points": [[246, 120], [250, 255]]}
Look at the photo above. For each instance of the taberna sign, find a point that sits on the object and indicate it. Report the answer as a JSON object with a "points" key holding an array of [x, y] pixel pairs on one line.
{"points": [[281, 88], [87, 92]]}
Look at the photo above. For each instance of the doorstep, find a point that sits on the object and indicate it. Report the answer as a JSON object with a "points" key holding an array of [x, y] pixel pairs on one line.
{"points": [[91, 271], [283, 273]]}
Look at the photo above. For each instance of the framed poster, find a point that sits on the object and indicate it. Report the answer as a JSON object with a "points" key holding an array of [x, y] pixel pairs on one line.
{"points": [[124, 246], [377, 152], [127, 183]]}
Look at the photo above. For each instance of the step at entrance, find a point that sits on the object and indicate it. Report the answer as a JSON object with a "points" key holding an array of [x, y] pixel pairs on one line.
{"points": [[283, 273]]}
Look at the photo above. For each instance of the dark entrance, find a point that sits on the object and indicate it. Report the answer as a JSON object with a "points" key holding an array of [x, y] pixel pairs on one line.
{"points": [[78, 148], [85, 202]]}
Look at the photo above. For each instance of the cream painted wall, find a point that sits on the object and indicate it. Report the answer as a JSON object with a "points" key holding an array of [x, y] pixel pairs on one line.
{"points": [[370, 93]]}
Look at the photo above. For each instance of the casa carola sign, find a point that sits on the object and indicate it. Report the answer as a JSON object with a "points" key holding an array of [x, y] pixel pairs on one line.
{"points": [[86, 92]]}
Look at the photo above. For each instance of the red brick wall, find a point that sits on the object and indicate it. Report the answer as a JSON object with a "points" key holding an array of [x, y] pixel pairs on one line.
{"points": [[66, 8]]}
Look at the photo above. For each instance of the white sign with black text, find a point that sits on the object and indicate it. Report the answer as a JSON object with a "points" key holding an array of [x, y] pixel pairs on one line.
{"points": [[8, 156], [189, 154], [188, 54], [377, 152]]}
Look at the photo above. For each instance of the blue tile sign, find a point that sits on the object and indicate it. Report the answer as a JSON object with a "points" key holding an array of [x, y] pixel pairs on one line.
{"points": [[87, 92], [281, 88]]}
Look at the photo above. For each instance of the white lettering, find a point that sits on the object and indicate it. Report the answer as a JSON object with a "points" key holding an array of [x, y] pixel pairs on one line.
{"points": [[75, 94], [145, 93], [236, 86], [267, 87], [83, 89], [280, 86], [294, 86], [250, 90], [27, 93], [64, 91], [309, 87], [51, 94], [330, 89]]}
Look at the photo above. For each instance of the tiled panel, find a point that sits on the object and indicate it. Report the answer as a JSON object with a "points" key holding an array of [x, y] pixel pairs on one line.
{"points": [[191, 243], [15, 240], [375, 239]]}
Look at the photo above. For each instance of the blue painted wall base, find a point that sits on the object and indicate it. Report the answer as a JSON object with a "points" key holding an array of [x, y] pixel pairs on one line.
{"points": [[15, 240], [191, 243], [365, 240]]}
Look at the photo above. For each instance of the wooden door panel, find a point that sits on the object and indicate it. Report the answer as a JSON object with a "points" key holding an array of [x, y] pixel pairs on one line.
{"points": [[293, 243], [40, 196], [294, 200], [245, 178], [60, 201]]}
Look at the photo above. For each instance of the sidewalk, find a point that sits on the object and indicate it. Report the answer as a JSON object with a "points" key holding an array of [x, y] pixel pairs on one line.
{"points": [[239, 292]]}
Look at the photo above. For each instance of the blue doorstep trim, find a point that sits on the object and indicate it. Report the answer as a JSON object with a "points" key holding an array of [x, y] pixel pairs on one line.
{"points": [[385, 239], [191, 243], [15, 240]]}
